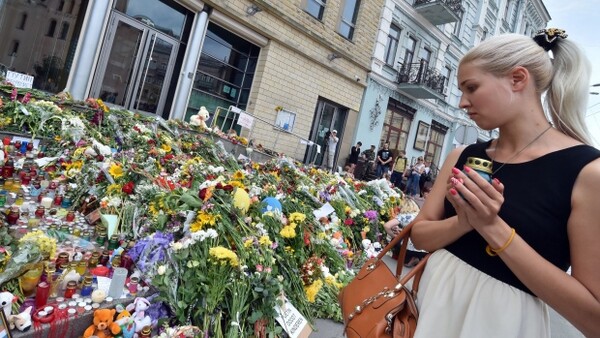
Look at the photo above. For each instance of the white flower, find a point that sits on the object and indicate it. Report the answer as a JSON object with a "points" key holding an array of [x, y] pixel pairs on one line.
{"points": [[161, 270], [176, 246]]}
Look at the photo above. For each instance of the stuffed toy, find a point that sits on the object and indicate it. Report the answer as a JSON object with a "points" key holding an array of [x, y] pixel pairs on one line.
{"points": [[139, 307], [125, 321], [6, 300], [200, 119], [22, 321], [103, 326]]}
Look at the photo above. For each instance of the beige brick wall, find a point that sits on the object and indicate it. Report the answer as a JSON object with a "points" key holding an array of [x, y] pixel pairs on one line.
{"points": [[293, 69]]}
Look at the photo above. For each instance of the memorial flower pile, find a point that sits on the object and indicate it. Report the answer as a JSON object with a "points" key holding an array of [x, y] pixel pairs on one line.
{"points": [[223, 243]]}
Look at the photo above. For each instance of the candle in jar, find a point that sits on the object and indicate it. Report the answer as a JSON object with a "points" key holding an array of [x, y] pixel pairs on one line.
{"points": [[47, 202]]}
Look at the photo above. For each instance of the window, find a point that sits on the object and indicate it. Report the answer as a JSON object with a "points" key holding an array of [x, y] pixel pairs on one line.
{"points": [[61, 5], [411, 44], [15, 48], [225, 72], [64, 31], [23, 21], [425, 55], [436, 142], [315, 8], [392, 44], [447, 74], [484, 34], [349, 15], [51, 28], [396, 125]]}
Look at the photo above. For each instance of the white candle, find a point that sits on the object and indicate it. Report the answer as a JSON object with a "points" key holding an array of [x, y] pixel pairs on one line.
{"points": [[47, 202]]}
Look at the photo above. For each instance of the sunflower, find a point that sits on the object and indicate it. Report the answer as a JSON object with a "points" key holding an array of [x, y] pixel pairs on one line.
{"points": [[116, 170]]}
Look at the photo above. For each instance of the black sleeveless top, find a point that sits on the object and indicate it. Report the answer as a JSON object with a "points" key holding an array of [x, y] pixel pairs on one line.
{"points": [[537, 203]]}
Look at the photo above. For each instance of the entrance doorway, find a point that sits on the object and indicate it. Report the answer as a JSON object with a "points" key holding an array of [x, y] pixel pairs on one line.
{"points": [[329, 116], [135, 66]]}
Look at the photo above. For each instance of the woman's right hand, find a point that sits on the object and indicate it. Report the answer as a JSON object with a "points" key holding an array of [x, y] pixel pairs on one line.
{"points": [[461, 216]]}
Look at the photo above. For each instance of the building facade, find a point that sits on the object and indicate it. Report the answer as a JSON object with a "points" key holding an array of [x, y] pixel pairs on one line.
{"points": [[299, 67], [412, 97]]}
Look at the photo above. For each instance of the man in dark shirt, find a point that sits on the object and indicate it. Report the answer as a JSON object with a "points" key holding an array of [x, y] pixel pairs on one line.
{"points": [[384, 160]]}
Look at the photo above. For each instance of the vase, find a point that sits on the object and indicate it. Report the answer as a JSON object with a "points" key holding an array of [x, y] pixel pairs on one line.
{"points": [[111, 222], [29, 280]]}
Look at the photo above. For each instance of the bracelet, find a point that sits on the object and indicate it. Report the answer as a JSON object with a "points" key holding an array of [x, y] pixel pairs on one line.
{"points": [[495, 252]]}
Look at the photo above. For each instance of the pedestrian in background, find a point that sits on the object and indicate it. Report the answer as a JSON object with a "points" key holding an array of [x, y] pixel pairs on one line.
{"points": [[502, 249], [384, 158], [398, 170], [425, 177], [332, 142], [415, 175], [353, 158]]}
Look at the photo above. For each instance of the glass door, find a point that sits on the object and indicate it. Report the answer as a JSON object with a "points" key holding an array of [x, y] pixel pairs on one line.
{"points": [[155, 74], [135, 67], [329, 117]]}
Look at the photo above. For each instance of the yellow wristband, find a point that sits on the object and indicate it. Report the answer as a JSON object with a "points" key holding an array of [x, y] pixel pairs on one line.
{"points": [[495, 252]]}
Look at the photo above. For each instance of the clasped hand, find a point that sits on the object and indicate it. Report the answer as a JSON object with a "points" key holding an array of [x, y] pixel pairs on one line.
{"points": [[476, 201]]}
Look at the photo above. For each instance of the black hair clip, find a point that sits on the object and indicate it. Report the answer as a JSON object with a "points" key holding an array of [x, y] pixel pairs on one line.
{"points": [[546, 38]]}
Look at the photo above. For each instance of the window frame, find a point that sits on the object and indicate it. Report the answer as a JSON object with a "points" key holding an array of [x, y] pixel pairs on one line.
{"points": [[51, 28], [321, 3], [344, 21], [389, 50], [409, 54]]}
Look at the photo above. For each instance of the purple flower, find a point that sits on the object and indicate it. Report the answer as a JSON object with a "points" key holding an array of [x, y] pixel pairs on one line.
{"points": [[371, 215], [13, 94]]}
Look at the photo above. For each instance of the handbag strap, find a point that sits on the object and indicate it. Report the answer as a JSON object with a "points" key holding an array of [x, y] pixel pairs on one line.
{"points": [[417, 270]]}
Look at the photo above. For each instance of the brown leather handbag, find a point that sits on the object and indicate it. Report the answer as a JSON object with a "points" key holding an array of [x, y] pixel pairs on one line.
{"points": [[377, 303]]}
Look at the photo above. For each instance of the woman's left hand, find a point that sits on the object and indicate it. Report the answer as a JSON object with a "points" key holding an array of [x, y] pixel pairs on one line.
{"points": [[479, 200]]}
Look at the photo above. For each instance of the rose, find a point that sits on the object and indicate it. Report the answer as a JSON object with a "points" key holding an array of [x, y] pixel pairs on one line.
{"points": [[128, 188]]}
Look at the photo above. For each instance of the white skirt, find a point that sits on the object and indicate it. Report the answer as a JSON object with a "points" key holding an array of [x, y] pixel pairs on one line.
{"points": [[457, 300]]}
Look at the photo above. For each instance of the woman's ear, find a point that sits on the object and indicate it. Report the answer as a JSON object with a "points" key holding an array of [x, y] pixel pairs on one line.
{"points": [[519, 78]]}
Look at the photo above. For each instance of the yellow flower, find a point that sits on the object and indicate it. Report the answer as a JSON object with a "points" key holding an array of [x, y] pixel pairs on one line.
{"points": [[224, 255], [289, 249], [102, 105], [116, 170], [166, 147], [207, 219], [330, 280], [238, 175], [237, 184], [113, 188], [321, 235], [196, 226], [248, 243], [264, 240], [293, 225], [297, 217], [366, 229], [45, 244], [152, 208], [312, 290], [288, 232]]}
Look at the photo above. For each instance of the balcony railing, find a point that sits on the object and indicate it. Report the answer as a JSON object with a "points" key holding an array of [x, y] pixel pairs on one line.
{"points": [[421, 81], [439, 12]]}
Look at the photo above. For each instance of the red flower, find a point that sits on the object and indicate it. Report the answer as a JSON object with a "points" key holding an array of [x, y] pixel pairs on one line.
{"points": [[349, 221], [128, 188], [226, 187]]}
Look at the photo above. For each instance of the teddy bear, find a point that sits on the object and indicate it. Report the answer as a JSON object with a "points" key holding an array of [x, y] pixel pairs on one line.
{"points": [[103, 326], [22, 321], [125, 321], [199, 120], [6, 301], [139, 307]]}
